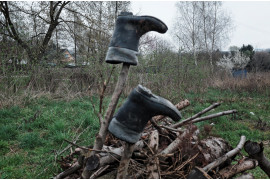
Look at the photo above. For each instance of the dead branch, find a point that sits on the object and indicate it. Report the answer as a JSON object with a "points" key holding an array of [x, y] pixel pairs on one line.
{"points": [[255, 151], [197, 115], [98, 172], [232, 170], [69, 171], [184, 122]]}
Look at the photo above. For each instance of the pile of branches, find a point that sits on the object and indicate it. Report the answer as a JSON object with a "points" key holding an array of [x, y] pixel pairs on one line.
{"points": [[167, 150]]}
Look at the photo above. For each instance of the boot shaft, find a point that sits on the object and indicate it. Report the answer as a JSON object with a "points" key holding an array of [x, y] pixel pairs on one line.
{"points": [[123, 47]]}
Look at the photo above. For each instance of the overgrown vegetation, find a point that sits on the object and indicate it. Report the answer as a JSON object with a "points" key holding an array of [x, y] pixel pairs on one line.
{"points": [[32, 134]]}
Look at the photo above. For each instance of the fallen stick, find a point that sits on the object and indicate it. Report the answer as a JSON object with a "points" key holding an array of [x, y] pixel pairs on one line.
{"points": [[211, 116], [198, 114], [232, 170], [69, 171], [195, 173], [98, 172], [255, 151]]}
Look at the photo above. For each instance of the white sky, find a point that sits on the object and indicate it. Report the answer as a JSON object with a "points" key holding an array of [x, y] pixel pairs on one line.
{"points": [[251, 19]]}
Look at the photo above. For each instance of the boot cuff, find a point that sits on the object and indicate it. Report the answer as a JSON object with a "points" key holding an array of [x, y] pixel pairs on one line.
{"points": [[122, 132], [116, 55]]}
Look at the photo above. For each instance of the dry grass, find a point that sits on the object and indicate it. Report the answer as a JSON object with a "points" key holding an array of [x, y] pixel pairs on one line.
{"points": [[254, 82]]}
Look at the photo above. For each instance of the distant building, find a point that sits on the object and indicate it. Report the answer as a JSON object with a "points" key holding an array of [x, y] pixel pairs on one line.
{"points": [[66, 57]]}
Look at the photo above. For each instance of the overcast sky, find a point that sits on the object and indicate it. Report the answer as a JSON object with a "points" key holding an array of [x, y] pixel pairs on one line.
{"points": [[251, 19]]}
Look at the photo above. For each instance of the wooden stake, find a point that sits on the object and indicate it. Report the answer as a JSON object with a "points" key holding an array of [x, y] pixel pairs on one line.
{"points": [[123, 167], [101, 136]]}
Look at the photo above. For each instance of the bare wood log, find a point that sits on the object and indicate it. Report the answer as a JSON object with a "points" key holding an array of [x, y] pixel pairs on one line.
{"points": [[153, 165], [109, 159], [195, 173], [246, 176], [101, 136], [177, 142], [232, 170], [124, 163], [211, 149], [184, 122], [228, 155], [76, 166], [255, 151]]}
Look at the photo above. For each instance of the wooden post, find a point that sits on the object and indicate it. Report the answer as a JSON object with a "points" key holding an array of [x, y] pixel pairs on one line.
{"points": [[101, 136], [123, 166]]}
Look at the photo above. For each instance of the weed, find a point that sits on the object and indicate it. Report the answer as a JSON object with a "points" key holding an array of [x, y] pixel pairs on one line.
{"points": [[30, 140]]}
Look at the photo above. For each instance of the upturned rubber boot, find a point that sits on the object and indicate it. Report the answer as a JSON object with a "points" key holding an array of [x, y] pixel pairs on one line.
{"points": [[140, 106], [123, 47]]}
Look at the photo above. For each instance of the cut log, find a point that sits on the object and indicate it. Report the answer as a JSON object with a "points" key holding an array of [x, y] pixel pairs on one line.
{"points": [[233, 170], [255, 151]]}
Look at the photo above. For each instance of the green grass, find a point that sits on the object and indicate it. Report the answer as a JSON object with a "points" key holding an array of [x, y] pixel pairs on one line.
{"points": [[28, 145]]}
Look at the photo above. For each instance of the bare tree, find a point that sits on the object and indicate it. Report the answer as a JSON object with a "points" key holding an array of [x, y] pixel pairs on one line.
{"points": [[49, 12], [187, 26], [202, 26]]}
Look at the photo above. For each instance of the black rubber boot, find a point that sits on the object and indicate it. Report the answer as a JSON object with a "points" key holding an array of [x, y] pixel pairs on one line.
{"points": [[140, 106], [124, 44]]}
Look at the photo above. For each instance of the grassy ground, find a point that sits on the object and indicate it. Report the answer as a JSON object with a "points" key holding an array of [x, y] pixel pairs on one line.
{"points": [[32, 134]]}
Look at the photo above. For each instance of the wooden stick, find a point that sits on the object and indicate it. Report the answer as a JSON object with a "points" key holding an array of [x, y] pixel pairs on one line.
{"points": [[98, 172], [123, 167], [101, 136], [153, 164], [69, 171], [232, 170], [198, 114], [187, 121]]}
